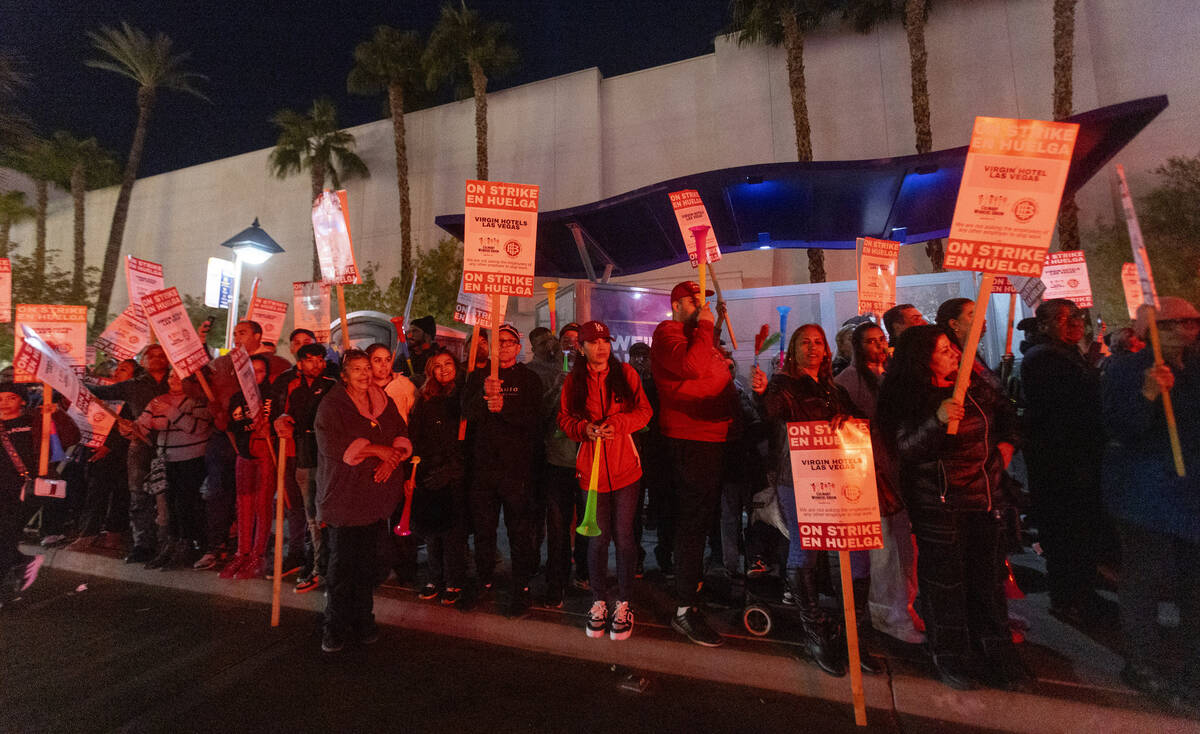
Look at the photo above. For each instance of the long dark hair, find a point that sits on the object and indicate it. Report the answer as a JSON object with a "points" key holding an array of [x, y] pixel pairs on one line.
{"points": [[615, 383], [792, 368], [907, 391], [865, 373], [431, 388]]}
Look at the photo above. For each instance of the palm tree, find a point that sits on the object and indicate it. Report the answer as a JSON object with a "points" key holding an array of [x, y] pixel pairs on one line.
{"points": [[15, 129], [784, 23], [865, 16], [43, 163], [314, 143], [88, 166], [13, 210], [1064, 60], [391, 62], [149, 62], [463, 41]]}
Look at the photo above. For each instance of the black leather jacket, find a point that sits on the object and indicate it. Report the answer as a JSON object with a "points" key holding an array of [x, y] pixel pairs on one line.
{"points": [[959, 472]]}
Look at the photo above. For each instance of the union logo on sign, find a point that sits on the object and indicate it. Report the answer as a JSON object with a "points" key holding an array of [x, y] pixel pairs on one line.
{"points": [[852, 492], [512, 248], [1024, 210]]}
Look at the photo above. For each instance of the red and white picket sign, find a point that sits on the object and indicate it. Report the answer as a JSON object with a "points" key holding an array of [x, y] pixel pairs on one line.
{"points": [[244, 369], [331, 230], [475, 309], [170, 321], [270, 315], [499, 238], [1135, 295], [142, 277], [876, 274], [62, 327], [1066, 276], [312, 308], [127, 335], [693, 221]]}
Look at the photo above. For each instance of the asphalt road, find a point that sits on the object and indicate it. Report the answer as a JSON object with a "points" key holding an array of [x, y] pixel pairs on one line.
{"points": [[118, 656]]}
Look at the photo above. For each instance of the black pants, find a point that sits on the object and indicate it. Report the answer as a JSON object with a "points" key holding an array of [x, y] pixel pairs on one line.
{"points": [[958, 565], [106, 504], [185, 516], [13, 516], [221, 501], [696, 470], [1073, 528], [492, 491], [350, 585], [447, 551], [1155, 565], [564, 509]]}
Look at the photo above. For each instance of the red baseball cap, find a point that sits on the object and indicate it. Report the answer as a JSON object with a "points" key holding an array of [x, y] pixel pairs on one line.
{"points": [[593, 330], [685, 289]]}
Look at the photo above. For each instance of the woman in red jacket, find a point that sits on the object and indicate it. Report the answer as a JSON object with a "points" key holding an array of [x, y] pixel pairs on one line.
{"points": [[602, 398]]}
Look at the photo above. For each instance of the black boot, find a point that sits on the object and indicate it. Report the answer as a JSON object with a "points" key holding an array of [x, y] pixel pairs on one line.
{"points": [[1002, 666], [166, 548], [862, 617], [819, 632]]}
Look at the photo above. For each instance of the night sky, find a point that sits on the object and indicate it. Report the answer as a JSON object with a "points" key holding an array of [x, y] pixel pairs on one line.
{"points": [[260, 57]]}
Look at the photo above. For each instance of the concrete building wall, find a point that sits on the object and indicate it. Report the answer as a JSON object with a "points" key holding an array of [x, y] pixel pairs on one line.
{"points": [[583, 137]]}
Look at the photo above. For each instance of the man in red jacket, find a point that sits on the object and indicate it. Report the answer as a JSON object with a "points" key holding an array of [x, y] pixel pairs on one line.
{"points": [[696, 415]]}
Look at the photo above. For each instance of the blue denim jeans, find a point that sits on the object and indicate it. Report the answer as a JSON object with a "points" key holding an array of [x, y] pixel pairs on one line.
{"points": [[614, 514], [798, 557]]}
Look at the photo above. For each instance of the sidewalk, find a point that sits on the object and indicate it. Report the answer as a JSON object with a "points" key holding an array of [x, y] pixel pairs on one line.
{"points": [[1078, 689]]}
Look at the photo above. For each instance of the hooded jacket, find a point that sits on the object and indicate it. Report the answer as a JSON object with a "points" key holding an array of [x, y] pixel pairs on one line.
{"points": [[620, 464], [697, 401]]}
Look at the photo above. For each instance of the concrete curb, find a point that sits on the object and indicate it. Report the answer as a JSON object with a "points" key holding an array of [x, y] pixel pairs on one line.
{"points": [[658, 650]]}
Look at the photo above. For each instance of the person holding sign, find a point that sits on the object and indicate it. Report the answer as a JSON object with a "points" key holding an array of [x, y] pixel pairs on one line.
{"points": [[255, 472], [20, 429], [603, 398], [362, 441], [180, 424], [502, 425], [1157, 512], [951, 486], [697, 404], [804, 390]]}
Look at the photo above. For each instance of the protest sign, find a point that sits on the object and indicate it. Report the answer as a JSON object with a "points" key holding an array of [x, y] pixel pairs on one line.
{"points": [[94, 419], [837, 504], [40, 360], [312, 308], [1132, 286], [1140, 259], [218, 283], [331, 230], [475, 309], [127, 335], [691, 216], [142, 277], [1008, 199], [169, 319], [270, 315], [1001, 284], [1066, 276], [244, 370], [499, 238], [62, 328], [5, 290], [876, 274]]}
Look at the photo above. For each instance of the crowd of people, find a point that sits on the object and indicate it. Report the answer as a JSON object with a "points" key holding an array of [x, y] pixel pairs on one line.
{"points": [[382, 454]]}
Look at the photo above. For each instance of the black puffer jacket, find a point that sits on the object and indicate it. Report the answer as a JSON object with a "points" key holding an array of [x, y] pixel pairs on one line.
{"points": [[802, 398], [959, 472]]}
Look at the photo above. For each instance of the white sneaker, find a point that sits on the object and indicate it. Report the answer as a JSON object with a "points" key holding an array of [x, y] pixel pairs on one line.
{"points": [[622, 622], [597, 619], [207, 561], [52, 540]]}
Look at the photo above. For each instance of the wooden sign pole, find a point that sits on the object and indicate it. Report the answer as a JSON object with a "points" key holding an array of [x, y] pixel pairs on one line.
{"points": [[1168, 408], [1012, 311], [494, 342], [471, 352], [721, 300], [47, 424], [856, 682], [341, 296], [968, 350], [277, 580]]}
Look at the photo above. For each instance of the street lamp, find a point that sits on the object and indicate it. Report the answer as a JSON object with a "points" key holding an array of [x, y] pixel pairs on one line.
{"points": [[251, 246]]}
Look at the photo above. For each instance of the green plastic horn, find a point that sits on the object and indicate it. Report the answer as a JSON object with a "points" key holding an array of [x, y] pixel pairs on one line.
{"points": [[589, 527]]}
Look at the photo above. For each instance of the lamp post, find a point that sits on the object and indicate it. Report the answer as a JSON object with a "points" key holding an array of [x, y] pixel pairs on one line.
{"points": [[251, 246]]}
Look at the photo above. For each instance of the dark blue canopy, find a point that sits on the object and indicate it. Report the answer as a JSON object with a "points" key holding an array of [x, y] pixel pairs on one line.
{"points": [[818, 204]]}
